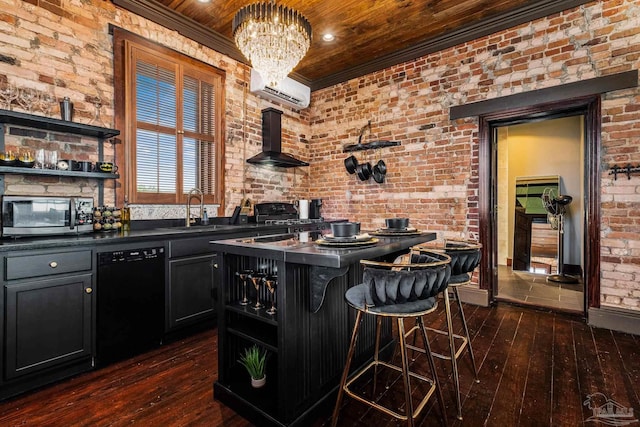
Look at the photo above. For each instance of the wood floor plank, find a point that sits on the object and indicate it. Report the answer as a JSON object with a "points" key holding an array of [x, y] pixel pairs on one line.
{"points": [[512, 385], [537, 364], [628, 348], [536, 401], [567, 406], [614, 377], [589, 373], [477, 406]]}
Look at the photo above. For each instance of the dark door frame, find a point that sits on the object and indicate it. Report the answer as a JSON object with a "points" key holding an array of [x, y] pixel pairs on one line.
{"points": [[589, 106]]}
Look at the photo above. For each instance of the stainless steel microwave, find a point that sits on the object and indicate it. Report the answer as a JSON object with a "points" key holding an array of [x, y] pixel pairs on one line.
{"points": [[46, 215]]}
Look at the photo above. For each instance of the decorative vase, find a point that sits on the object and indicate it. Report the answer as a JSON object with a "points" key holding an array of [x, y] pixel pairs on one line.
{"points": [[258, 383]]}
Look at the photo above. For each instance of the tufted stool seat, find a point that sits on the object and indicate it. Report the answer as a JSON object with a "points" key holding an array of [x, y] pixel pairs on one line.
{"points": [[465, 258], [405, 290]]}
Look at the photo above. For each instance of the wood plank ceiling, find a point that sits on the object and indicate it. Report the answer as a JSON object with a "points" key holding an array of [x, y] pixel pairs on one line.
{"points": [[369, 34]]}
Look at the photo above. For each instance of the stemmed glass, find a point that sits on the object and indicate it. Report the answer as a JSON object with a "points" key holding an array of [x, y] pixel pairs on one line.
{"points": [[256, 279], [27, 99], [271, 282], [97, 121], [244, 276], [45, 103], [8, 93]]}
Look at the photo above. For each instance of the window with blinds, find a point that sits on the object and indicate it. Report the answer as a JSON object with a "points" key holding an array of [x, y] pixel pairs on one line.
{"points": [[174, 139]]}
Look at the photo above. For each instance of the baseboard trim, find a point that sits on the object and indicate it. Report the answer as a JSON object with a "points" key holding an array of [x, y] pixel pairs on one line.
{"points": [[470, 294], [616, 319]]}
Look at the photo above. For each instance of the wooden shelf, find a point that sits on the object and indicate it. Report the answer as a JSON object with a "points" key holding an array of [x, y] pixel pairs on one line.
{"points": [[56, 125], [56, 172]]}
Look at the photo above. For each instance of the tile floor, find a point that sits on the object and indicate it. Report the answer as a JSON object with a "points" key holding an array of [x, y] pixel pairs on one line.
{"points": [[533, 289]]}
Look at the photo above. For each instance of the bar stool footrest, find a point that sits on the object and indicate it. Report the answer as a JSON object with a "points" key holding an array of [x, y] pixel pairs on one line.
{"points": [[459, 349], [384, 409]]}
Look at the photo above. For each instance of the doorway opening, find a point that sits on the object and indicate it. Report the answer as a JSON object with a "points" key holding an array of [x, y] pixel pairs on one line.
{"points": [[540, 205], [588, 108]]}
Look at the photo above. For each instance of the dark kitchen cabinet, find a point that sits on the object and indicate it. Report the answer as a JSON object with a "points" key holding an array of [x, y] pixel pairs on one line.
{"points": [[47, 323], [192, 290]]}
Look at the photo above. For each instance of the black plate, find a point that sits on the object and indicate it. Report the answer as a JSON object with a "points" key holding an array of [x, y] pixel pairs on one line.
{"points": [[359, 238], [346, 245]]}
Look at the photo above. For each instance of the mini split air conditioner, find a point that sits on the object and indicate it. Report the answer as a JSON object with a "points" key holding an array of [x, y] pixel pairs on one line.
{"points": [[288, 92]]}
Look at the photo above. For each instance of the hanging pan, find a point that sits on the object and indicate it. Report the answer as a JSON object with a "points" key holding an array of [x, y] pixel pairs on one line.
{"points": [[351, 163]]}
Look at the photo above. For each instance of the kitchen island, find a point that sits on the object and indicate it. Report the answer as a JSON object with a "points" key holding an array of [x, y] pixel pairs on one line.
{"points": [[307, 338]]}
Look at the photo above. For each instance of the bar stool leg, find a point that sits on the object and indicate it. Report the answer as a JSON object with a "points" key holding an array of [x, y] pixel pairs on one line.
{"points": [[405, 373], [376, 353], [452, 347], [466, 333], [432, 365], [345, 373]]}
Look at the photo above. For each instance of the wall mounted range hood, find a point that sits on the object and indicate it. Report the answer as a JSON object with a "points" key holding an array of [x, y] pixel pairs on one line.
{"points": [[272, 142]]}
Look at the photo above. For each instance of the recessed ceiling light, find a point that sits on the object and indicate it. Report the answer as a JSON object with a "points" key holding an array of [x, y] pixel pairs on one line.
{"points": [[204, 1], [328, 37]]}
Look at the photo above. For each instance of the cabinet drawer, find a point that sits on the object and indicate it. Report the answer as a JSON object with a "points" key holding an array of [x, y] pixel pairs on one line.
{"points": [[20, 267]]}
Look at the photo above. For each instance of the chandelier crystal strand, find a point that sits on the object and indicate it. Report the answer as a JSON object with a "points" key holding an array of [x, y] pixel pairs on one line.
{"points": [[273, 38]]}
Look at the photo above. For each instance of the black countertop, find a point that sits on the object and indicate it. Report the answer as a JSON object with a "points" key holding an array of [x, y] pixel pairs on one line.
{"points": [[215, 231], [295, 251]]}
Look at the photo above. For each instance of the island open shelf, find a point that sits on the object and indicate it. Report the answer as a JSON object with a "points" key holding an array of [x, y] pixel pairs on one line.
{"points": [[307, 339]]}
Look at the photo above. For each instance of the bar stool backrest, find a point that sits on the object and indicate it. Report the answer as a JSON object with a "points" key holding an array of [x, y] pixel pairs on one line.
{"points": [[465, 256], [393, 283]]}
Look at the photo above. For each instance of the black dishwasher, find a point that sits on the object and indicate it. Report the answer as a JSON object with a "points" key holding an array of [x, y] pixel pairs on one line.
{"points": [[130, 303]]}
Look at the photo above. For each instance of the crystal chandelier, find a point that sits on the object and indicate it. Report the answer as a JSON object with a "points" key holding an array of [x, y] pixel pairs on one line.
{"points": [[272, 37]]}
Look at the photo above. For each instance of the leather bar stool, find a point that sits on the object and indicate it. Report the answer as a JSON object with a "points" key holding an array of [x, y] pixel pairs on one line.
{"points": [[396, 291], [465, 257]]}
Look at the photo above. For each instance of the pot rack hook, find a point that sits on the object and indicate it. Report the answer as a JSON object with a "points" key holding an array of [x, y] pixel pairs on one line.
{"points": [[368, 125]]}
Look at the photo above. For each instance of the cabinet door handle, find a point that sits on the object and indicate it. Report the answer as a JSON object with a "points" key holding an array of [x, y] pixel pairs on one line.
{"points": [[53, 264], [88, 290]]}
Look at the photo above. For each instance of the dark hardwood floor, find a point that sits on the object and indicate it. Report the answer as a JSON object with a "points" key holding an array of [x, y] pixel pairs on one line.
{"points": [[536, 369]]}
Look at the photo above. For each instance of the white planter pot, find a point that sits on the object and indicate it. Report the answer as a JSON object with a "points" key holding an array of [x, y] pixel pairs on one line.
{"points": [[258, 383]]}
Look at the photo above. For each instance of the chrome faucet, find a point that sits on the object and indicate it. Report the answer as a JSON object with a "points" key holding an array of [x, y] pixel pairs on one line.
{"points": [[194, 192]]}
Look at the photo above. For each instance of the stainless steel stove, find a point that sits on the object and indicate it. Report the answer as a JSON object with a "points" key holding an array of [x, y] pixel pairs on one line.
{"points": [[286, 214]]}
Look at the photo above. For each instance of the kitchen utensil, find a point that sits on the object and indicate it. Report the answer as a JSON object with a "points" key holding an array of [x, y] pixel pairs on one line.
{"points": [[345, 229], [364, 171], [397, 223], [378, 175], [382, 167], [66, 109], [351, 163]]}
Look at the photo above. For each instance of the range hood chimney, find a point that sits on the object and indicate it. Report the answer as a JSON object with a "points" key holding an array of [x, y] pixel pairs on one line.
{"points": [[272, 143]]}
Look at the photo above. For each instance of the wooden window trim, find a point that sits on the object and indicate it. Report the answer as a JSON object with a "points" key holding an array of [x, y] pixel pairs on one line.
{"points": [[125, 185]]}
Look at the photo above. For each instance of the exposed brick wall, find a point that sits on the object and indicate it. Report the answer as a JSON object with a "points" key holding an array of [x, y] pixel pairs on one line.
{"points": [[433, 175], [64, 46]]}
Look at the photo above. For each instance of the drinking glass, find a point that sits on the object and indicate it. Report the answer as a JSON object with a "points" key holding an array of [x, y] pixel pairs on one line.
{"points": [[256, 279], [40, 157], [51, 159], [271, 282], [244, 277]]}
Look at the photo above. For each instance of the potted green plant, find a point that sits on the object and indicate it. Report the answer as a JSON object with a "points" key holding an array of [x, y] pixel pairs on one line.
{"points": [[254, 360]]}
